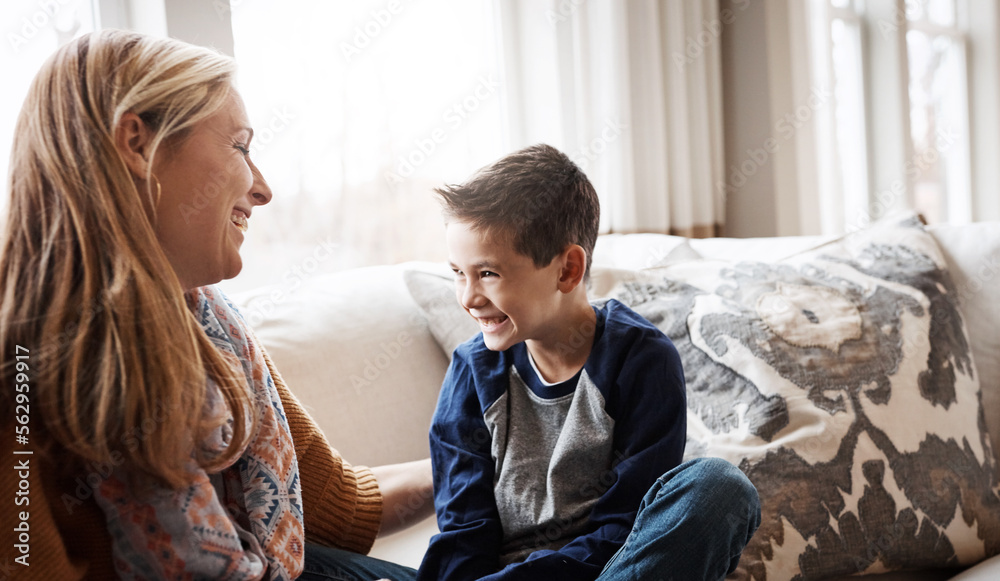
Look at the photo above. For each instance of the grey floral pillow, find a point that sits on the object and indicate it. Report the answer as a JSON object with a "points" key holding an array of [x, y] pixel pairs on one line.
{"points": [[841, 382], [434, 293]]}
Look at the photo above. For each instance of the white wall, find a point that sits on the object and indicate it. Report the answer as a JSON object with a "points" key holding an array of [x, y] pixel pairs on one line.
{"points": [[202, 22]]}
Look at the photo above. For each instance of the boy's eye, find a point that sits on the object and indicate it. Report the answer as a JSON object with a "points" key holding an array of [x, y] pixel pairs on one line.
{"points": [[457, 272], [487, 273]]}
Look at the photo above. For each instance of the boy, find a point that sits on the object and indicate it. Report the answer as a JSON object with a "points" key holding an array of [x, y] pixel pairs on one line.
{"points": [[557, 419]]}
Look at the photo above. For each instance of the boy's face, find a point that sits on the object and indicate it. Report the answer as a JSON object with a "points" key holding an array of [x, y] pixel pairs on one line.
{"points": [[512, 299]]}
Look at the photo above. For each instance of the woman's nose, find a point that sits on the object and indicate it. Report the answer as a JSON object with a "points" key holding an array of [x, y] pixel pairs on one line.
{"points": [[260, 192]]}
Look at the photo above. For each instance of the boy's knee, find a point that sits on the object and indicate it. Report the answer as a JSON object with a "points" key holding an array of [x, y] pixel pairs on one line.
{"points": [[710, 494], [725, 474], [726, 483], [733, 490]]}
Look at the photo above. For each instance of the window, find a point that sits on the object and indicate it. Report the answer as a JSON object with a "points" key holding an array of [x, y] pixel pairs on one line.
{"points": [[850, 155], [929, 157], [935, 47], [360, 109], [32, 32]]}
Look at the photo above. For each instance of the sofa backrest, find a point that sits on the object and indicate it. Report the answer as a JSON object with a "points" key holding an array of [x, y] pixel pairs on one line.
{"points": [[973, 255], [358, 352]]}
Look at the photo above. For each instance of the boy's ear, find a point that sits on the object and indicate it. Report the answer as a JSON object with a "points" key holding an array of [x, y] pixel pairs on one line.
{"points": [[133, 139], [574, 260]]}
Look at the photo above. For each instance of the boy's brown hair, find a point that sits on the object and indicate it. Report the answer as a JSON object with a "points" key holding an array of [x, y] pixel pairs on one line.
{"points": [[536, 197]]}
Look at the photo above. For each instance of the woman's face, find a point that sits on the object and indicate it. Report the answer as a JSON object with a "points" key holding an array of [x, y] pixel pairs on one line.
{"points": [[209, 187]]}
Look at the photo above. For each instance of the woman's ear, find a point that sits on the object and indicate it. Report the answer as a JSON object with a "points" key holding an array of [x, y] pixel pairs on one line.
{"points": [[574, 260], [133, 140]]}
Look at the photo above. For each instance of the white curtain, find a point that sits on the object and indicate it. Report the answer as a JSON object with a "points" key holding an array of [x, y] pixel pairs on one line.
{"points": [[631, 91]]}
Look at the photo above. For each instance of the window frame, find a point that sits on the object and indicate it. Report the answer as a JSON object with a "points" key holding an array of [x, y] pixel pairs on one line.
{"points": [[891, 161], [958, 208]]}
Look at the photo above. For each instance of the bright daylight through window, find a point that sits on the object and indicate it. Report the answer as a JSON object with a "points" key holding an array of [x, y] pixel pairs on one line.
{"points": [[360, 109], [32, 31], [935, 178], [935, 47]]}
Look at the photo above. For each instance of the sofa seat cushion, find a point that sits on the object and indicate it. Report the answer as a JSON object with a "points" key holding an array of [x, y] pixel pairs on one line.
{"points": [[988, 570]]}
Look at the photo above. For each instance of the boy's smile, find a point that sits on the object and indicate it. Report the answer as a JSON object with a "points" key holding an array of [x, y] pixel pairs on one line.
{"points": [[512, 299], [492, 325]]}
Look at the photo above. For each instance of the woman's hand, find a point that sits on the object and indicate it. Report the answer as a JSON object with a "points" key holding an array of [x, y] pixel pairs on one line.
{"points": [[407, 494]]}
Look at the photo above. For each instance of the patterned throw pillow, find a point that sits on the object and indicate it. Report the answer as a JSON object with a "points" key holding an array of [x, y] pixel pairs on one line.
{"points": [[841, 382], [434, 293]]}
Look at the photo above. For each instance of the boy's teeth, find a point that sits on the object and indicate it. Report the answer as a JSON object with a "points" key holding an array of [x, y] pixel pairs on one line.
{"points": [[240, 221], [492, 322]]}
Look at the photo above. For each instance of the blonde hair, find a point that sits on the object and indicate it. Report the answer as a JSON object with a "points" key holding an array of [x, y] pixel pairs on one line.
{"points": [[118, 361]]}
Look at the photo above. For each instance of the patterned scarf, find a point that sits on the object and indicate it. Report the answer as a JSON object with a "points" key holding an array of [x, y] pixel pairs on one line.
{"points": [[243, 523]]}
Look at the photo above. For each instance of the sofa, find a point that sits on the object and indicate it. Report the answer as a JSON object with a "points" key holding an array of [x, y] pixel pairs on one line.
{"points": [[855, 379]]}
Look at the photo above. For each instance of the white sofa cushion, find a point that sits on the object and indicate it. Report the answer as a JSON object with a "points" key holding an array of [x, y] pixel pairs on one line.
{"points": [[988, 570], [356, 350], [972, 252], [637, 251], [433, 289]]}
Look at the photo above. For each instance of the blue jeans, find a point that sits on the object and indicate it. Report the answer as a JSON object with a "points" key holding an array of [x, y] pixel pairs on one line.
{"points": [[326, 564], [692, 524]]}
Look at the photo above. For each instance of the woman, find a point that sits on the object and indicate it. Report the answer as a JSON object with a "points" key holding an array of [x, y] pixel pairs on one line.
{"points": [[159, 440]]}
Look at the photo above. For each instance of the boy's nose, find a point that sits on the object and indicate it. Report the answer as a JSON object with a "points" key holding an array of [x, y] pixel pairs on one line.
{"points": [[470, 297]]}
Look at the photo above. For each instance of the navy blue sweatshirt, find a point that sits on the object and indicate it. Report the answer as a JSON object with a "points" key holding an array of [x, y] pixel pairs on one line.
{"points": [[541, 481]]}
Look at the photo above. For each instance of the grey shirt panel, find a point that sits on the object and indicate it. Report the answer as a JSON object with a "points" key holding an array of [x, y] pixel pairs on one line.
{"points": [[551, 456]]}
